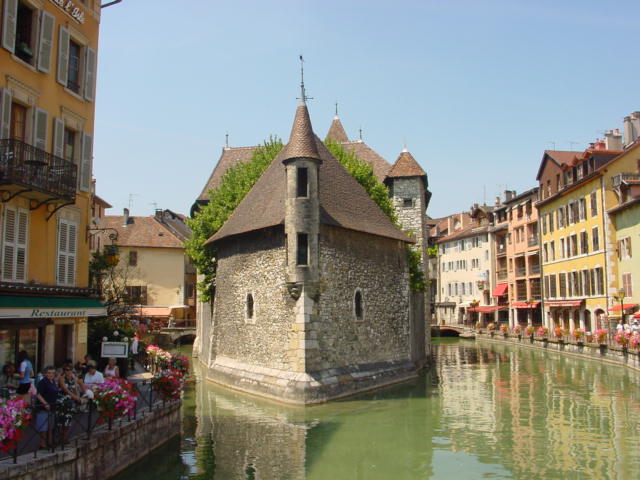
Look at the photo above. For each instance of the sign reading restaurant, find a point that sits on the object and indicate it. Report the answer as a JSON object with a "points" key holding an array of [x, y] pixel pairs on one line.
{"points": [[71, 8], [52, 312]]}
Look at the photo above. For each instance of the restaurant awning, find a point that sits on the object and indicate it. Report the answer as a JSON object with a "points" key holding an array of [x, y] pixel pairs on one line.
{"points": [[563, 303], [152, 311], [500, 289], [627, 306], [526, 305], [487, 308], [50, 307]]}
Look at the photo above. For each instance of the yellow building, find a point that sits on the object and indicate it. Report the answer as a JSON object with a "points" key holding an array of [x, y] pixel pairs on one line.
{"points": [[573, 223], [622, 202], [48, 53]]}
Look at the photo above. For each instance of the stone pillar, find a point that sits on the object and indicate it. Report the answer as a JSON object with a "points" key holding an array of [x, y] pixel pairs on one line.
{"points": [[582, 325], [529, 316], [572, 325]]}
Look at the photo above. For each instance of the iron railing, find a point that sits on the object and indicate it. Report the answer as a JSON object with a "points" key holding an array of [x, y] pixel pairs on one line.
{"points": [[532, 241], [623, 177], [84, 422], [501, 274], [521, 271], [30, 167]]}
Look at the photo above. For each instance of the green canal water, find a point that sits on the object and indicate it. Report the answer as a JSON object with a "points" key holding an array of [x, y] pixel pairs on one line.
{"points": [[484, 411]]}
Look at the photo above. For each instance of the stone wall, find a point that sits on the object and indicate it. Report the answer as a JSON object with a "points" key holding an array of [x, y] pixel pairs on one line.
{"points": [[105, 454], [255, 264], [377, 266], [411, 218]]}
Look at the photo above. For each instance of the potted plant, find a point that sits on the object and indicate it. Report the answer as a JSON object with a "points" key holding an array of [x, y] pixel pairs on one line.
{"points": [[491, 328], [168, 384], [600, 336], [634, 341], [114, 398], [578, 334], [14, 418], [543, 332], [518, 331], [504, 328], [622, 339], [530, 330], [559, 334]]}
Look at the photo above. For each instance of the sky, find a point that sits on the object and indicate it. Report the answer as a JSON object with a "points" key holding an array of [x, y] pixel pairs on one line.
{"points": [[476, 90]]}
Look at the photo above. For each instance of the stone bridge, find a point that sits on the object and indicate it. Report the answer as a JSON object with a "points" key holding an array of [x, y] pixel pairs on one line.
{"points": [[178, 335], [452, 331]]}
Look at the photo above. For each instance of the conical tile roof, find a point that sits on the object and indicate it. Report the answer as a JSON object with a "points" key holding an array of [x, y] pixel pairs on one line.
{"points": [[343, 202], [336, 131], [406, 166], [302, 139]]}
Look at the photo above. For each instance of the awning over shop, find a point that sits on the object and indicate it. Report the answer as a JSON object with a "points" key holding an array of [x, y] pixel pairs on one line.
{"points": [[152, 311], [50, 307], [563, 303], [627, 306], [526, 305], [487, 308], [500, 289]]}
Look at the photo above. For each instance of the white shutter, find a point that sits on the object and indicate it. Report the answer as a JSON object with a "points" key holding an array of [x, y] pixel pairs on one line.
{"points": [[22, 232], [63, 56], [85, 164], [62, 252], [58, 137], [14, 245], [71, 253], [89, 73], [40, 120], [47, 22], [5, 113], [9, 16]]}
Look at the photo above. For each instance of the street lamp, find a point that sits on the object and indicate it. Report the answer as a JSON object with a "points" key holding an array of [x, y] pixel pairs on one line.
{"points": [[620, 297]]}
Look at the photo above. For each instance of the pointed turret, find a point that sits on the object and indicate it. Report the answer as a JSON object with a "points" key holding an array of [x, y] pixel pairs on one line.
{"points": [[406, 166], [336, 131], [302, 143]]}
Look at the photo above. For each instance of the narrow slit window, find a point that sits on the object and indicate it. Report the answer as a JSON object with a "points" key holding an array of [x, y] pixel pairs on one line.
{"points": [[357, 300], [249, 306], [303, 182], [303, 249]]}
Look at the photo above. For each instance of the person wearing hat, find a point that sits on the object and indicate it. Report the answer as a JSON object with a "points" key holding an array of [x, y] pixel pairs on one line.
{"points": [[635, 328]]}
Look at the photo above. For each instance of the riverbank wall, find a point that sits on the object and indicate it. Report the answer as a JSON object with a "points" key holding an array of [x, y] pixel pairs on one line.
{"points": [[105, 454], [605, 353]]}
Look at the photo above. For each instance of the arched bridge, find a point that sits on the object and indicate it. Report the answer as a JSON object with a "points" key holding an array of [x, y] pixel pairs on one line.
{"points": [[452, 331], [179, 335]]}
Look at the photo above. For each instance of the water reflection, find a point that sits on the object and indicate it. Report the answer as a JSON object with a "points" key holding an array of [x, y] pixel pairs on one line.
{"points": [[483, 411]]}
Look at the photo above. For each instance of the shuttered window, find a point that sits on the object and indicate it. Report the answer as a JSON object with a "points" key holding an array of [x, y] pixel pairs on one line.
{"points": [[67, 248], [627, 285], [9, 17], [85, 164], [47, 22], [5, 113], [15, 235], [63, 56], [89, 73]]}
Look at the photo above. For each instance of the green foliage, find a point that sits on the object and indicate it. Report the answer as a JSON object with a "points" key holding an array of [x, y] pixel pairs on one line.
{"points": [[416, 274], [363, 173], [432, 251], [235, 184]]}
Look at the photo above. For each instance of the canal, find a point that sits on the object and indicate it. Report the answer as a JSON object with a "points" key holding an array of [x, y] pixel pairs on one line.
{"points": [[484, 411]]}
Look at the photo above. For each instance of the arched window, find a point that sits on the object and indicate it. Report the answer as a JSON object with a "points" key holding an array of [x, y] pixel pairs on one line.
{"points": [[358, 305], [249, 313]]}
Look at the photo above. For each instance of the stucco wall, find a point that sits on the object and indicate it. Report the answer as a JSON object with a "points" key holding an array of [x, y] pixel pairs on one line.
{"points": [[351, 260]]}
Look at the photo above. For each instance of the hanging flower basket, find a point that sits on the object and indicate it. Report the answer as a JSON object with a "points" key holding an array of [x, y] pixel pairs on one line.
{"points": [[14, 418], [543, 332], [114, 398], [168, 384]]}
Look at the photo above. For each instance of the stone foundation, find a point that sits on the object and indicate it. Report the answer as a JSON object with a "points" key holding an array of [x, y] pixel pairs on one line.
{"points": [[105, 454], [308, 388]]}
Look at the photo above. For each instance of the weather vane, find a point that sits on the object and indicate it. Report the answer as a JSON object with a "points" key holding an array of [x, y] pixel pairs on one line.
{"points": [[303, 94]]}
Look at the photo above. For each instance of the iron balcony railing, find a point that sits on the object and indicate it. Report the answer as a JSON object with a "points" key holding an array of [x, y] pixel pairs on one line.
{"points": [[502, 274], [623, 177], [521, 271], [30, 167], [534, 269]]}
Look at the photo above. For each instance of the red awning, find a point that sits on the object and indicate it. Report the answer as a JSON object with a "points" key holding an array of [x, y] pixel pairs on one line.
{"points": [[487, 308], [500, 289], [152, 311], [563, 303], [525, 304], [627, 306]]}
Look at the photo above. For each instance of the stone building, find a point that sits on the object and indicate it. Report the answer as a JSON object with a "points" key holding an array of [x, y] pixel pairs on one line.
{"points": [[312, 298]]}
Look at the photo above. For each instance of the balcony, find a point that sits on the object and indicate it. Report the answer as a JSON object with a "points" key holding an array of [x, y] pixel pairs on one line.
{"points": [[623, 178], [521, 271], [30, 169], [501, 275], [501, 249], [532, 241], [534, 269]]}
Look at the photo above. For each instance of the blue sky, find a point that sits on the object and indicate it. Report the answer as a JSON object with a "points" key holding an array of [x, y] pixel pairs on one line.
{"points": [[476, 89]]}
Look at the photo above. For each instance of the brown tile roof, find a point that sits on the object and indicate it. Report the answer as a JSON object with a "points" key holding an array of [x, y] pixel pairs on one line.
{"points": [[302, 143], [336, 131], [406, 166], [101, 201], [365, 153], [230, 156], [562, 157], [343, 202], [141, 232]]}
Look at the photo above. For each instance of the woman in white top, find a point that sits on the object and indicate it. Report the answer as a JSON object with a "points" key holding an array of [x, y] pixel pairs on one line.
{"points": [[111, 369]]}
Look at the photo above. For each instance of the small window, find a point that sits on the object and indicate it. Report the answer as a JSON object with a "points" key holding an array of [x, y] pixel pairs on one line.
{"points": [[303, 182], [73, 69], [249, 312], [358, 308], [69, 145], [302, 257], [18, 125], [133, 259], [407, 202], [25, 44]]}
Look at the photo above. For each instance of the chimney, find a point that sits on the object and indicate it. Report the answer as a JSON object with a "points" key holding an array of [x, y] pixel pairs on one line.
{"points": [[635, 123], [125, 219], [613, 140], [498, 202], [509, 194]]}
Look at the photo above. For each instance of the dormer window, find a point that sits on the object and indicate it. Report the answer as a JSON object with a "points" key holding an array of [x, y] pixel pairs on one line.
{"points": [[302, 174]]}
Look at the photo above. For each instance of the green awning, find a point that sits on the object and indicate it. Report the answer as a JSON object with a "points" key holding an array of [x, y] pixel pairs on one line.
{"points": [[51, 307]]}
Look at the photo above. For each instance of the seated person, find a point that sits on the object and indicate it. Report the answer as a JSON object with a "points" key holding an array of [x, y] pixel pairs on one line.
{"points": [[93, 376]]}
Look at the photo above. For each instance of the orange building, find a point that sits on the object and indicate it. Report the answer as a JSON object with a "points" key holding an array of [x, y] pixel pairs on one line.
{"points": [[48, 54]]}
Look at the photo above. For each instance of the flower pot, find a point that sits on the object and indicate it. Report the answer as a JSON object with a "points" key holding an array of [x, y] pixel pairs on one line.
{"points": [[519, 337], [603, 348]]}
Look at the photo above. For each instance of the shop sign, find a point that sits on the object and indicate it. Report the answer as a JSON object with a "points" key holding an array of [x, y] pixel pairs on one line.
{"points": [[71, 8], [51, 312]]}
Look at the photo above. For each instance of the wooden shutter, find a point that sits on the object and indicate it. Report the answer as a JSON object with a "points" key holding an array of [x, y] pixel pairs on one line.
{"points": [[5, 113], [89, 73], [14, 245], [40, 121], [72, 231], [62, 252], [63, 56], [47, 22], [58, 137], [9, 16], [85, 165]]}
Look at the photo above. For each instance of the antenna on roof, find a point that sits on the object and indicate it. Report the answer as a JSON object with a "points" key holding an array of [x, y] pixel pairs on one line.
{"points": [[226, 140], [360, 133], [131, 195], [552, 143], [155, 206], [303, 93], [336, 108], [571, 144]]}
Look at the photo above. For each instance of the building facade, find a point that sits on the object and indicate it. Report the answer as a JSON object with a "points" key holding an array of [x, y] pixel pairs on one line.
{"points": [[47, 91]]}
